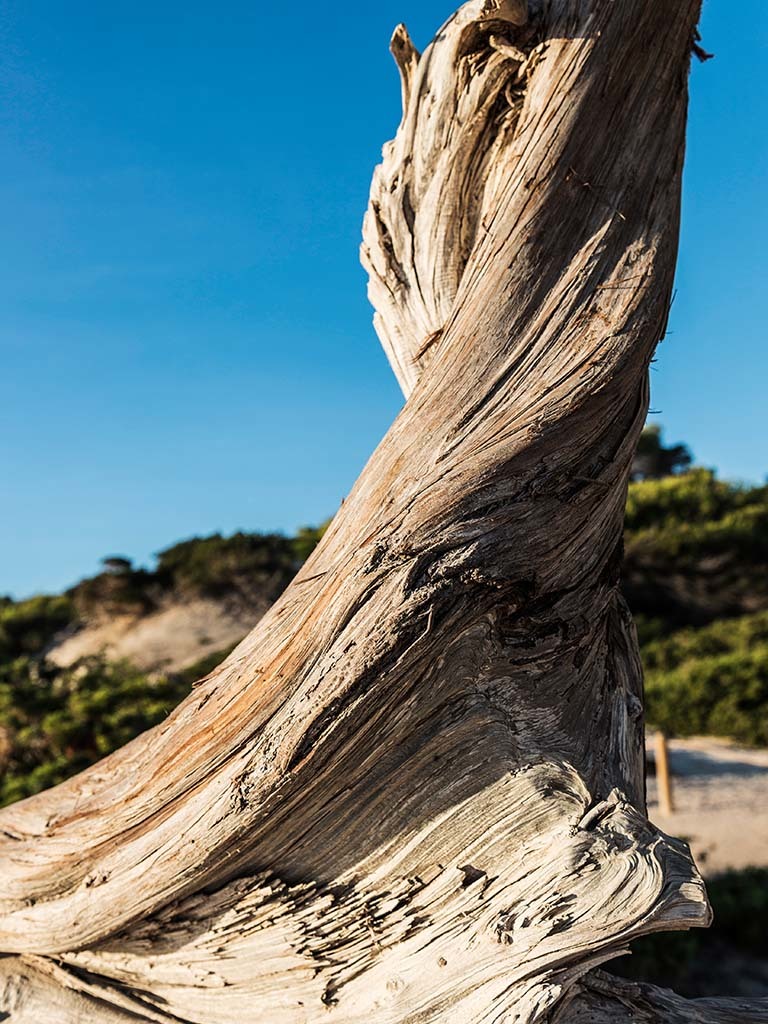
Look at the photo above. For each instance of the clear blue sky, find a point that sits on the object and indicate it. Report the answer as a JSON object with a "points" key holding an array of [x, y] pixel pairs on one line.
{"points": [[185, 340]]}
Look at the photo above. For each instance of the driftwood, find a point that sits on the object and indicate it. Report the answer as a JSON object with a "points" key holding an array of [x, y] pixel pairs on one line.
{"points": [[415, 792]]}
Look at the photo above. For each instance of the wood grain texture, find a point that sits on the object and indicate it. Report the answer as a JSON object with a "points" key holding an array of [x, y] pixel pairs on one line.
{"points": [[602, 999], [415, 792]]}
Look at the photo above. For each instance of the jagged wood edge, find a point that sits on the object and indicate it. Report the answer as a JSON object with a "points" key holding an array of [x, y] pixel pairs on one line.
{"points": [[586, 425]]}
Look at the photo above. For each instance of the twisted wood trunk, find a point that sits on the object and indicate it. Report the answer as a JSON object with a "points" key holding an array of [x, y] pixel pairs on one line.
{"points": [[415, 792]]}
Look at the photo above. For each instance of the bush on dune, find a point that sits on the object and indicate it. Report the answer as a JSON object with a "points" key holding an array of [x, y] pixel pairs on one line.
{"points": [[711, 681], [707, 679], [56, 722], [27, 627], [725, 695]]}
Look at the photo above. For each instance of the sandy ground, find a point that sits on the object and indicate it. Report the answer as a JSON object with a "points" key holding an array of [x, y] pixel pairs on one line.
{"points": [[169, 639], [720, 795]]}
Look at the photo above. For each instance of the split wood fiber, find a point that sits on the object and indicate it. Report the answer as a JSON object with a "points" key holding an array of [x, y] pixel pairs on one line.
{"points": [[415, 792]]}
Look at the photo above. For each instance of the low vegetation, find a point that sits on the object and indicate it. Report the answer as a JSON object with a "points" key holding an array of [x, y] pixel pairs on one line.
{"points": [[56, 722], [696, 552], [215, 566], [711, 681], [28, 627]]}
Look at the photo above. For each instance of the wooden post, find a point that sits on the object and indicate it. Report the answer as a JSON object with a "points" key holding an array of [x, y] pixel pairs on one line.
{"points": [[663, 777]]}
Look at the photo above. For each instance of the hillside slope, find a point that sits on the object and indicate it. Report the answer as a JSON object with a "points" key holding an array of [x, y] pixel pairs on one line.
{"points": [[695, 575], [696, 552], [166, 639], [204, 595]]}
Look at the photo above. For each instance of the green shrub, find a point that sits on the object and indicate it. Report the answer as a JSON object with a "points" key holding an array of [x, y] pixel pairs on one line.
{"points": [[688, 502], [711, 681], [696, 516], [132, 591], [740, 902], [54, 723], [696, 550], [726, 695], [694, 522], [741, 635], [213, 566], [216, 564], [27, 627]]}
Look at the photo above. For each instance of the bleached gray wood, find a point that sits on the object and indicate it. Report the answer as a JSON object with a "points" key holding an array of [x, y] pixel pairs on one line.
{"points": [[415, 792], [602, 999]]}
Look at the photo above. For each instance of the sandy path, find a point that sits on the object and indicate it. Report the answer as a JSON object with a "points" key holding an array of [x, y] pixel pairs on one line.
{"points": [[720, 794]]}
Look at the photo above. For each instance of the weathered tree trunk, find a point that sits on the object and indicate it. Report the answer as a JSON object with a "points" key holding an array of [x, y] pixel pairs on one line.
{"points": [[415, 792]]}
